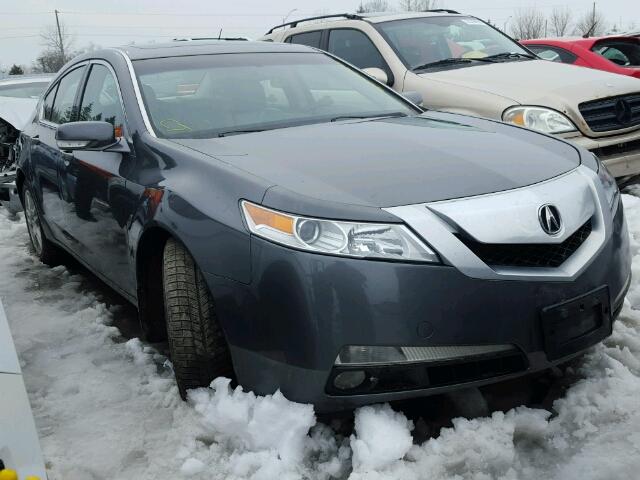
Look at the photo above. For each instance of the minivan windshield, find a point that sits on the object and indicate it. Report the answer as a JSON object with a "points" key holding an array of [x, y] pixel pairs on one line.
{"points": [[449, 41], [208, 96]]}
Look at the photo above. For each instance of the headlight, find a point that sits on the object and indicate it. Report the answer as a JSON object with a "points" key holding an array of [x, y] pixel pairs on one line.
{"points": [[362, 240], [609, 184], [538, 118]]}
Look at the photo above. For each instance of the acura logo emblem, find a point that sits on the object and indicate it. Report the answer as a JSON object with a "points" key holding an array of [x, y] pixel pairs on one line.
{"points": [[624, 115], [550, 221]]}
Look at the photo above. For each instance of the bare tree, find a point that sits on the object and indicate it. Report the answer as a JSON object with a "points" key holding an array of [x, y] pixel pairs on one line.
{"points": [[560, 21], [591, 24], [57, 49], [56, 41], [373, 6], [528, 23], [417, 5]]}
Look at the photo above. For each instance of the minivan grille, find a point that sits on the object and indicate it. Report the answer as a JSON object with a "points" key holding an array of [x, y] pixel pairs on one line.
{"points": [[613, 113], [540, 255]]}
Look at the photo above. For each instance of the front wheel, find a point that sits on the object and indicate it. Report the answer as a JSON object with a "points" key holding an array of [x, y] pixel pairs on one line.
{"points": [[46, 251], [198, 348]]}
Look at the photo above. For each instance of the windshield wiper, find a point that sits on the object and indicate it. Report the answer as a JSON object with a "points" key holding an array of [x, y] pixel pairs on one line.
{"points": [[506, 56], [239, 132], [374, 115], [446, 61]]}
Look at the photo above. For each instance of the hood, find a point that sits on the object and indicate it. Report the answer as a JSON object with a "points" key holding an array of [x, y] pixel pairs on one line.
{"points": [[539, 82], [17, 111], [399, 161]]}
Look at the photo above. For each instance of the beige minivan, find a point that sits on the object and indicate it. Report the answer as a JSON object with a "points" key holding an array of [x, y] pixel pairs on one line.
{"points": [[461, 64]]}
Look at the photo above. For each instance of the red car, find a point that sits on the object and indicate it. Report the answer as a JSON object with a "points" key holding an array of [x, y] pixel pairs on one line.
{"points": [[613, 53]]}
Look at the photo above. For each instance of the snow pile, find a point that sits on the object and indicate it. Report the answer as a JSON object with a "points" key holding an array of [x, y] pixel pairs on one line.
{"points": [[382, 437], [107, 408]]}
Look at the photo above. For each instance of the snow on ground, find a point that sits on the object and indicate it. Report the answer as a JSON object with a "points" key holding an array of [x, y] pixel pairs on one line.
{"points": [[108, 408]]}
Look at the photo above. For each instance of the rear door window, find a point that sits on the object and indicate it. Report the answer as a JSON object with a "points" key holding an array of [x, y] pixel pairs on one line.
{"points": [[620, 52], [63, 110], [310, 39], [47, 111]]}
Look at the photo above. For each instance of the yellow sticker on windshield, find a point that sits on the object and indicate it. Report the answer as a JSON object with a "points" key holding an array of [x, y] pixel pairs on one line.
{"points": [[172, 125]]}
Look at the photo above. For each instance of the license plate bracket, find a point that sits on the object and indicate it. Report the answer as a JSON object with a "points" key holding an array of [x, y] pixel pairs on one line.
{"points": [[576, 324]]}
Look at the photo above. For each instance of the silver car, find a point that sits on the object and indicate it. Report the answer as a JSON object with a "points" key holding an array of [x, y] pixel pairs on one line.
{"points": [[461, 64]]}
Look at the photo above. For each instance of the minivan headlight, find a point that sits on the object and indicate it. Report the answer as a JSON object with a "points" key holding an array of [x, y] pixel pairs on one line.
{"points": [[538, 118], [609, 184], [350, 239]]}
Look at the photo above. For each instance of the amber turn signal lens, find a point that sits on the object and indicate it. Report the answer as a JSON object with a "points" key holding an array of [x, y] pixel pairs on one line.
{"points": [[518, 119], [268, 218]]}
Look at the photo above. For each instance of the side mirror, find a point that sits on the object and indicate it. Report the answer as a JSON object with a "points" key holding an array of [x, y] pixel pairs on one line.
{"points": [[85, 136], [414, 97], [378, 74]]}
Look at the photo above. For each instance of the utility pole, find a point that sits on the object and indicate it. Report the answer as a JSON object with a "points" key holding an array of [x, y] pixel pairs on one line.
{"points": [[60, 35]]}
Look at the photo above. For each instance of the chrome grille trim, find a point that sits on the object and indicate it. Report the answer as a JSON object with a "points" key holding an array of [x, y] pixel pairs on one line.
{"points": [[431, 223]]}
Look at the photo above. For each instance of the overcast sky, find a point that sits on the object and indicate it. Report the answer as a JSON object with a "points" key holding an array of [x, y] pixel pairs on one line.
{"points": [[117, 22]]}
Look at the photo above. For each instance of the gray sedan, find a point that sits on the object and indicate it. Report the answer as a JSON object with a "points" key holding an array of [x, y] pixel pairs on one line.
{"points": [[285, 219]]}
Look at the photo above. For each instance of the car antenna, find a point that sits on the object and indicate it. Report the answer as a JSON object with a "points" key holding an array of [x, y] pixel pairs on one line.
{"points": [[220, 34]]}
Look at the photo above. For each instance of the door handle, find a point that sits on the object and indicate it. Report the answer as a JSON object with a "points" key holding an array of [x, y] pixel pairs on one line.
{"points": [[36, 139]]}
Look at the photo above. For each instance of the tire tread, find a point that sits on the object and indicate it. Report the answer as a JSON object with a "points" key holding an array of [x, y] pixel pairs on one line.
{"points": [[198, 347]]}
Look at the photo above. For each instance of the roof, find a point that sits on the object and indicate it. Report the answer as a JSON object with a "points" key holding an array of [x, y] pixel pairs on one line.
{"points": [[389, 16], [206, 47], [371, 17]]}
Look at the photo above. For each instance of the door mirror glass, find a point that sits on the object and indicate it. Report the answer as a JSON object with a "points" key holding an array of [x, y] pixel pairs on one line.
{"points": [[85, 136], [378, 74]]}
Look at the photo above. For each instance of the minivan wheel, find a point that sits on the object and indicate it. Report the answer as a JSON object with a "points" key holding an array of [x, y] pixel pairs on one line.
{"points": [[197, 345], [46, 251]]}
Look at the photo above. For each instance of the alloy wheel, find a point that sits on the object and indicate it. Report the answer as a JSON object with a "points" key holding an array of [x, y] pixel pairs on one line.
{"points": [[33, 222]]}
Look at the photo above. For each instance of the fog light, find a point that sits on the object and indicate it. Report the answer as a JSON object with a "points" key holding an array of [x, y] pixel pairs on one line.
{"points": [[349, 380]]}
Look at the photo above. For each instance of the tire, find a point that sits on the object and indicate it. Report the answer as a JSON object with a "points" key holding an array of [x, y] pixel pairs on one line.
{"points": [[45, 250], [197, 344]]}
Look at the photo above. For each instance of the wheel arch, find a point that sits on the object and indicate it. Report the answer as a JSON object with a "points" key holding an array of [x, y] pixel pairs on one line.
{"points": [[20, 179], [148, 259]]}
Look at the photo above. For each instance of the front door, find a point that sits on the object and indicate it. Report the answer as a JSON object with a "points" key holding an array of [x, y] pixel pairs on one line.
{"points": [[97, 206]]}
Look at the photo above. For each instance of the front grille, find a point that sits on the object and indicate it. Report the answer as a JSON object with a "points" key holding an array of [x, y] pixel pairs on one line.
{"points": [[608, 114], [617, 150], [538, 255]]}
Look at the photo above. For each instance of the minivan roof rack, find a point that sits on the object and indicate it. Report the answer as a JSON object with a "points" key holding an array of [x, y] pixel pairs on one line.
{"points": [[442, 10], [349, 16], [226, 39]]}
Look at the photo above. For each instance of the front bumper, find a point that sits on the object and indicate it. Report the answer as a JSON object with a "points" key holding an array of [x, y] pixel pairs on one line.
{"points": [[287, 327], [620, 153], [9, 196]]}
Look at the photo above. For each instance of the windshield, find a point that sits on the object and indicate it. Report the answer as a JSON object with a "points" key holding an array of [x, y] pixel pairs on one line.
{"points": [[423, 41], [208, 96], [23, 90]]}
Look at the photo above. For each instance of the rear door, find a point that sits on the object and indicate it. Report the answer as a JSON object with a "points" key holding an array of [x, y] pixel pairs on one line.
{"points": [[59, 106], [97, 206]]}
